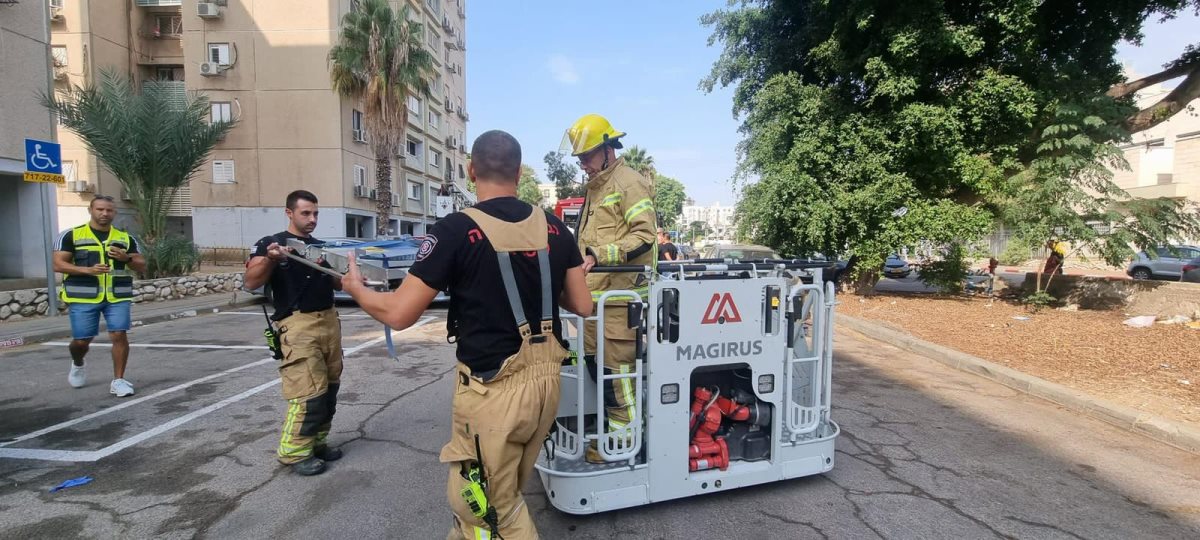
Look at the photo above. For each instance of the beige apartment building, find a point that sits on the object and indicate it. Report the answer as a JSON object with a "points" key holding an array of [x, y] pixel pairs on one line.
{"points": [[1164, 160], [26, 209], [264, 63]]}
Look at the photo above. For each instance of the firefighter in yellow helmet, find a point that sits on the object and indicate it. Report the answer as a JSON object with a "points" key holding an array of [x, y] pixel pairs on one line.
{"points": [[617, 226]]}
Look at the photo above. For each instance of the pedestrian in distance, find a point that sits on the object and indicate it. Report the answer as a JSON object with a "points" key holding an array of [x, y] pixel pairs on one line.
{"points": [[310, 336], [509, 267], [666, 250], [617, 227], [97, 261]]}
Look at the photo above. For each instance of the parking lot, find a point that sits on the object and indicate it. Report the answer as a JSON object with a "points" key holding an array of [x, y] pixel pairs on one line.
{"points": [[925, 452]]}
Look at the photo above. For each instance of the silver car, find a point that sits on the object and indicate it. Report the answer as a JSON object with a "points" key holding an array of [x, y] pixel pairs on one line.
{"points": [[1165, 263]]}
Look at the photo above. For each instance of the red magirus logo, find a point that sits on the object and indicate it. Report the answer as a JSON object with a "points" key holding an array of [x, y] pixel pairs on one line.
{"points": [[721, 310]]}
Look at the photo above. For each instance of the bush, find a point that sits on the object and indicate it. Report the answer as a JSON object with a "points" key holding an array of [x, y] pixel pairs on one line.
{"points": [[171, 256], [1039, 300], [1016, 253], [948, 273]]}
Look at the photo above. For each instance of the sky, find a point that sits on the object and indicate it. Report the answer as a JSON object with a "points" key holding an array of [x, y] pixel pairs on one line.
{"points": [[536, 66]]}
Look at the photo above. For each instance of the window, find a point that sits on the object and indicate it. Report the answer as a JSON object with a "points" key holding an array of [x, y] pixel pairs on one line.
{"points": [[462, 173], [70, 171], [435, 119], [356, 126], [221, 112], [360, 175], [164, 73], [56, 4], [435, 158], [59, 53], [414, 191], [166, 25], [414, 153], [432, 39], [218, 53], [223, 172], [414, 106]]}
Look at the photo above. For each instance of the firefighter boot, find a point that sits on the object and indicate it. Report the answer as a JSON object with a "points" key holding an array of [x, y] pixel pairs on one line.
{"points": [[309, 467]]}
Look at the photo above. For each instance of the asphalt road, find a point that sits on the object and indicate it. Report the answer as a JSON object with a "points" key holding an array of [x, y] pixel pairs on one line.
{"points": [[925, 452]]}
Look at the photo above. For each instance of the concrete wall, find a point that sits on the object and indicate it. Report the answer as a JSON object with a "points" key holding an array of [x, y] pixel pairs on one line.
{"points": [[26, 210], [1160, 298], [243, 226]]}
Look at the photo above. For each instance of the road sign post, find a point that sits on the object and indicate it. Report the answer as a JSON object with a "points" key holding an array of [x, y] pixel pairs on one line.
{"points": [[43, 164]]}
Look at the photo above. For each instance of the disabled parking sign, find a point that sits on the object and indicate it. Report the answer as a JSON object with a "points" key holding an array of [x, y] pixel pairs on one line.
{"points": [[43, 162]]}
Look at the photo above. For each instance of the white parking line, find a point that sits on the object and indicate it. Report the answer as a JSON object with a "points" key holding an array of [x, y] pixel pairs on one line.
{"points": [[93, 455], [163, 345]]}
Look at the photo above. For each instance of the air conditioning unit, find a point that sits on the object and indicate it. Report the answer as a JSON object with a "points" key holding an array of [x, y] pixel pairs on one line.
{"points": [[56, 12], [360, 135], [211, 69], [79, 186], [462, 148], [208, 10], [361, 192], [449, 106]]}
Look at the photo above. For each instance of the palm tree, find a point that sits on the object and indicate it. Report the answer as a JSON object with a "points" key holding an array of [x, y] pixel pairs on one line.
{"points": [[152, 141], [379, 60], [637, 158]]}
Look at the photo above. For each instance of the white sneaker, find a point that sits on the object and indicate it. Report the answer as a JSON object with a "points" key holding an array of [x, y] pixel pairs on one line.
{"points": [[121, 388], [78, 376]]}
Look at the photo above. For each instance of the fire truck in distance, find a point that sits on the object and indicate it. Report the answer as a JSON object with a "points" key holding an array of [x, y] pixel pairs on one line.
{"points": [[568, 211]]}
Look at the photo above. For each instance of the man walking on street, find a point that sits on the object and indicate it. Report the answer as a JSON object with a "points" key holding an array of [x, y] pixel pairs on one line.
{"points": [[310, 335], [666, 250], [95, 259], [617, 226], [508, 266]]}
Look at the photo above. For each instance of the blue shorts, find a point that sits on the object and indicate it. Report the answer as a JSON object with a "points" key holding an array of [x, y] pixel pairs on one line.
{"points": [[85, 318]]}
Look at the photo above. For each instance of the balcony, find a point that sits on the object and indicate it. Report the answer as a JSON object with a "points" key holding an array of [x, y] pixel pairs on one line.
{"points": [[158, 3], [1160, 191]]}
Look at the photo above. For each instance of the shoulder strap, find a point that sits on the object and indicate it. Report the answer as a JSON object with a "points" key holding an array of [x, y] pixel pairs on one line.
{"points": [[530, 234]]}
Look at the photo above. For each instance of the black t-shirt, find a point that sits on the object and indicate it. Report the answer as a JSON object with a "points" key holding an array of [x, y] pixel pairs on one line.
{"points": [[457, 257], [290, 279], [66, 241], [668, 249]]}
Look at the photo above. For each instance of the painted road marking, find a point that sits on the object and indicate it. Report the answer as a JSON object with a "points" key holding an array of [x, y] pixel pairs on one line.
{"points": [[93, 455], [164, 345]]}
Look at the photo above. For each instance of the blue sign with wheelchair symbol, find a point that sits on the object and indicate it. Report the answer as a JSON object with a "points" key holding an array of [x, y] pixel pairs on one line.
{"points": [[43, 156]]}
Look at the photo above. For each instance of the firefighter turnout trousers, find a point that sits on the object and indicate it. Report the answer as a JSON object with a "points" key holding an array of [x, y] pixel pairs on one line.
{"points": [[311, 371], [503, 420]]}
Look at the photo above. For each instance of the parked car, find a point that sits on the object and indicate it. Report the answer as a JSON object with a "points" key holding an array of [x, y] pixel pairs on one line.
{"points": [[1165, 263], [895, 267], [1191, 271], [738, 251]]}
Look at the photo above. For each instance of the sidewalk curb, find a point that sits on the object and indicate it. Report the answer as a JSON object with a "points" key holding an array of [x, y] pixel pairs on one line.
{"points": [[1153, 426], [10, 339]]}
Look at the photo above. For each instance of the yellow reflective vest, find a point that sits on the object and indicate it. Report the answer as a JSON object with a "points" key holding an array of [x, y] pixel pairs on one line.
{"points": [[618, 226], [115, 286]]}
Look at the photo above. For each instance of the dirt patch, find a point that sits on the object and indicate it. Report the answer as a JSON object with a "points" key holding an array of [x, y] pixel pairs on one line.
{"points": [[1091, 351]]}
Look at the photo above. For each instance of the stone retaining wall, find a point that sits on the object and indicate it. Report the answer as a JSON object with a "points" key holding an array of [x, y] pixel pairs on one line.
{"points": [[26, 303]]}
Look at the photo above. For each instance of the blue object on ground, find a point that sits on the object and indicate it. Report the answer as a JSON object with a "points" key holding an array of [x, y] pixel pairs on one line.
{"points": [[72, 483]]}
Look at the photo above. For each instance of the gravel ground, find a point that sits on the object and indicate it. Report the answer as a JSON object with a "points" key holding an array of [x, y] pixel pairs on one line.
{"points": [[1153, 369]]}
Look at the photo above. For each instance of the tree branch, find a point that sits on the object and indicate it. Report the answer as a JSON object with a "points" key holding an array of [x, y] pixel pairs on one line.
{"points": [[1177, 100], [1178, 70]]}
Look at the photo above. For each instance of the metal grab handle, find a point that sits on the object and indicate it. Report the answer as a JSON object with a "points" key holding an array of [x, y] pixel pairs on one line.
{"points": [[329, 271], [632, 430]]}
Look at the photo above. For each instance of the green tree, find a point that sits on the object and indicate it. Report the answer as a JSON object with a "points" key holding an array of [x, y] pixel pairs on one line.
{"points": [[380, 60], [668, 200], [637, 159], [563, 174], [152, 141], [697, 230], [527, 189], [873, 125]]}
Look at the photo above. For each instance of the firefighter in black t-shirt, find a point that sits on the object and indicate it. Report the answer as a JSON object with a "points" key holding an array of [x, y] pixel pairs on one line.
{"points": [[310, 336], [508, 267]]}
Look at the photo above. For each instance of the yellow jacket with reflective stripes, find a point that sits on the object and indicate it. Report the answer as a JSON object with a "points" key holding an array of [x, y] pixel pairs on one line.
{"points": [[617, 226], [115, 286]]}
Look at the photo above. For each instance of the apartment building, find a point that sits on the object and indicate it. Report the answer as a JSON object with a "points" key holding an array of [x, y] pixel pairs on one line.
{"points": [[264, 63], [1164, 161], [26, 209], [719, 218]]}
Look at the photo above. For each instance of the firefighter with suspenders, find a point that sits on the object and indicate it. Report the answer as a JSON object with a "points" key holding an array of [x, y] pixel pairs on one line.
{"points": [[508, 266]]}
